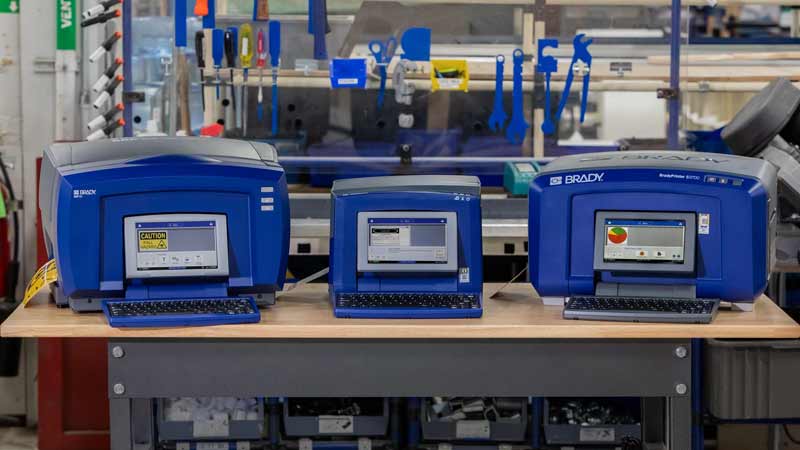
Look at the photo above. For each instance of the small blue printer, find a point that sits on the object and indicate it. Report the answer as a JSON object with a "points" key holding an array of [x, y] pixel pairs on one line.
{"points": [[406, 247], [164, 218], [653, 223]]}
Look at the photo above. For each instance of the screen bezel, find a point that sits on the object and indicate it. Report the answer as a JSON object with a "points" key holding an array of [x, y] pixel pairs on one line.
{"points": [[362, 242], [689, 242], [131, 246]]}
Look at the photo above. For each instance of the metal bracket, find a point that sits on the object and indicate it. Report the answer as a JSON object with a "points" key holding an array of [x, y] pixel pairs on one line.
{"points": [[44, 65], [133, 97], [667, 93], [404, 152]]}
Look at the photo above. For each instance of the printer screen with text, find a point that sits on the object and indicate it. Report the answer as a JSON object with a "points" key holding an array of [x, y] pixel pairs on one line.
{"points": [[407, 240], [645, 241], [176, 245]]}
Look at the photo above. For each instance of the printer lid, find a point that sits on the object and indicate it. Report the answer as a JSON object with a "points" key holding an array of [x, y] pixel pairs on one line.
{"points": [[66, 154], [676, 160], [448, 184]]}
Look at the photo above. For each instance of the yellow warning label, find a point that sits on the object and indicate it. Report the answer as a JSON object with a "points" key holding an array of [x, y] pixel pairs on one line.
{"points": [[45, 276], [153, 240]]}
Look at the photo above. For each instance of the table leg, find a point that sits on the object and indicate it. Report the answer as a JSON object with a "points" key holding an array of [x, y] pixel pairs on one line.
{"points": [[131, 423]]}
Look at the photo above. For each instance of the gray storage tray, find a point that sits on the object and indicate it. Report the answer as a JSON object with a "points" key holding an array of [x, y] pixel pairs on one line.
{"points": [[169, 430], [503, 430], [309, 426], [752, 379]]}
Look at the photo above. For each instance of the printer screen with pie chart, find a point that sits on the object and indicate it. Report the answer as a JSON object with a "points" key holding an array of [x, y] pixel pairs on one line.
{"points": [[656, 241]]}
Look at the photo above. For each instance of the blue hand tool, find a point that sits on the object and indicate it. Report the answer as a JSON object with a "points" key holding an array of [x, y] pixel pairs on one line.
{"points": [[498, 118], [217, 50], [318, 26], [274, 62], [547, 65], [383, 53], [580, 53], [231, 43], [517, 128], [416, 44]]}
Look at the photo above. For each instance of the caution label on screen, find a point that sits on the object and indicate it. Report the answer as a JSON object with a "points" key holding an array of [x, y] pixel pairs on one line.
{"points": [[153, 240], [44, 277]]}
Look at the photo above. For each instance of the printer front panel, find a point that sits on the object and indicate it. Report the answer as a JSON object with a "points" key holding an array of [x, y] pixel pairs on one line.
{"points": [[730, 260], [93, 208], [456, 212]]}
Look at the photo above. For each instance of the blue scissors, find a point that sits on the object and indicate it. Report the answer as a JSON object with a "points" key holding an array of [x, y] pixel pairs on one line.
{"points": [[383, 53]]}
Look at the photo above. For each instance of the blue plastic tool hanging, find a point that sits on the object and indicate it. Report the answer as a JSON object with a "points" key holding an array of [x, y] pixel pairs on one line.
{"points": [[209, 20], [318, 26], [348, 73], [217, 51], [274, 61], [497, 121], [180, 23], [517, 128], [383, 53], [580, 48], [547, 65], [416, 43]]}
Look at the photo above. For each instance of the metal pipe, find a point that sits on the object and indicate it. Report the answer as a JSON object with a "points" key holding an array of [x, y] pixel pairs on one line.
{"points": [[127, 67], [674, 100]]}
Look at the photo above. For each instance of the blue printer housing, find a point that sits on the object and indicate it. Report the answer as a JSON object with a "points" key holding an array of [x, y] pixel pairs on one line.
{"points": [[88, 189], [413, 194], [733, 199]]}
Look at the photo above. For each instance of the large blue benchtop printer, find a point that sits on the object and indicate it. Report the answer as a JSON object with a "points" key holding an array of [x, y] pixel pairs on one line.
{"points": [[406, 247], [164, 218], [635, 227]]}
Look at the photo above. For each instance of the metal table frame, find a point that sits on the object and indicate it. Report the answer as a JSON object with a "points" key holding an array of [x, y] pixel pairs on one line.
{"points": [[140, 370]]}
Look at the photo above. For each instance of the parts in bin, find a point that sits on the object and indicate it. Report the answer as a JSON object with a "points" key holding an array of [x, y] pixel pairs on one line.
{"points": [[589, 413], [185, 409], [362, 406], [453, 409]]}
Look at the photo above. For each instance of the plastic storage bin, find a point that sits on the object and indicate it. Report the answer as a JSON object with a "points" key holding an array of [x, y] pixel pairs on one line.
{"points": [[170, 430], [752, 379], [366, 424], [499, 430], [594, 434]]}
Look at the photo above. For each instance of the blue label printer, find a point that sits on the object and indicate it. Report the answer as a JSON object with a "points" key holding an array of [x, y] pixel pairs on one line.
{"points": [[406, 247], [150, 218], [653, 224]]}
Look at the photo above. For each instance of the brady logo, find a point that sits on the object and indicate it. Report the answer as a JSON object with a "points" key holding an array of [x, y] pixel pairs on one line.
{"points": [[555, 181], [80, 193], [583, 178]]}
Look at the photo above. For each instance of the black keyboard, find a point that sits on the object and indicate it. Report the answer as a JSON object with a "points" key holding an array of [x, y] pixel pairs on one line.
{"points": [[181, 312], [641, 309], [409, 300]]}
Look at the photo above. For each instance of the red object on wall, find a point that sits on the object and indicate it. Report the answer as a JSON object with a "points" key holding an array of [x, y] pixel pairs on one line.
{"points": [[73, 379]]}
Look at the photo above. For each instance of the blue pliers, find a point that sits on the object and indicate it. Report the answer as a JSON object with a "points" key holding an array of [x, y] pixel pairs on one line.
{"points": [[383, 53]]}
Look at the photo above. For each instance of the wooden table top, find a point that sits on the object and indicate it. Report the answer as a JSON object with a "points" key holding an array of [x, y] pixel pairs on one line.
{"points": [[305, 312]]}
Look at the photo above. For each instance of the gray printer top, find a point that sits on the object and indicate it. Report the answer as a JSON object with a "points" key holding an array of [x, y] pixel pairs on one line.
{"points": [[75, 153], [452, 184], [679, 160]]}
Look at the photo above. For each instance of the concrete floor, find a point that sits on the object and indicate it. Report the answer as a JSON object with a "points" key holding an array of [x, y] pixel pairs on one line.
{"points": [[14, 438]]}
